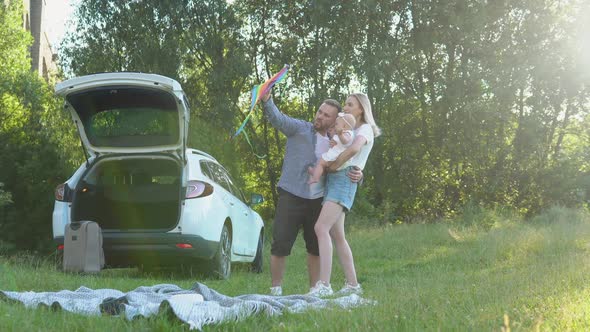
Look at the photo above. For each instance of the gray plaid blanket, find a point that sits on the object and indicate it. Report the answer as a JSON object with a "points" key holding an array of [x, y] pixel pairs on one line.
{"points": [[197, 306]]}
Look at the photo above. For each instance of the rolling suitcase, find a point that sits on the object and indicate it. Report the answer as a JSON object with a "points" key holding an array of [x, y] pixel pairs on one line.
{"points": [[83, 247]]}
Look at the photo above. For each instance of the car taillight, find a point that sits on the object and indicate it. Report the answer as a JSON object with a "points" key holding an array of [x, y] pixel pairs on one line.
{"points": [[60, 192], [184, 245], [196, 189], [60, 247]]}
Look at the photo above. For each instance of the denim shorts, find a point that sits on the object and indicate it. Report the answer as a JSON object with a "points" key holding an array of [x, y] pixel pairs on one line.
{"points": [[340, 189]]}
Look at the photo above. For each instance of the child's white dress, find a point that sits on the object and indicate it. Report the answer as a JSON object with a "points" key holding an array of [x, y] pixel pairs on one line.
{"points": [[337, 149]]}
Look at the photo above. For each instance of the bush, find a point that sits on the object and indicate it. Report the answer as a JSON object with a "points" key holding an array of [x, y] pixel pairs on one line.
{"points": [[480, 216], [561, 214]]}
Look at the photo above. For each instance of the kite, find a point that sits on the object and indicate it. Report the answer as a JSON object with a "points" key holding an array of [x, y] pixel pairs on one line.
{"points": [[257, 92]]}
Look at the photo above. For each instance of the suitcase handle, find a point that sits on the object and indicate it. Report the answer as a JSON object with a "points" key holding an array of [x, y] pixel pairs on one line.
{"points": [[75, 225]]}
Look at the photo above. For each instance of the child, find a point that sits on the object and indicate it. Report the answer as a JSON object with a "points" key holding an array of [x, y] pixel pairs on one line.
{"points": [[344, 135]]}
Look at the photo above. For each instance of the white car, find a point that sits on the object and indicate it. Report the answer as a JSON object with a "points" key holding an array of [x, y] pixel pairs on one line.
{"points": [[157, 202]]}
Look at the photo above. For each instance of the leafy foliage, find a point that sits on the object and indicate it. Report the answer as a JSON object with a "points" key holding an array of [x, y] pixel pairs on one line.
{"points": [[479, 101], [38, 145], [5, 197], [483, 104]]}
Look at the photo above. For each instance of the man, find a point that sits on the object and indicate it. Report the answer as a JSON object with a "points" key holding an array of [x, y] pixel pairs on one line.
{"points": [[299, 203]]}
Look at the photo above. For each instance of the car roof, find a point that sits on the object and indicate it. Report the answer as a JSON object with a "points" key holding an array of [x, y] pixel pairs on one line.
{"points": [[203, 154]]}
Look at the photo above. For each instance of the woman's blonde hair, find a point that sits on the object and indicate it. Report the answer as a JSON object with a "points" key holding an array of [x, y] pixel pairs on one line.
{"points": [[363, 99]]}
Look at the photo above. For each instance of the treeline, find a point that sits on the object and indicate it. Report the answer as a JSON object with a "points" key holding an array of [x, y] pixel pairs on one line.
{"points": [[482, 103], [38, 146]]}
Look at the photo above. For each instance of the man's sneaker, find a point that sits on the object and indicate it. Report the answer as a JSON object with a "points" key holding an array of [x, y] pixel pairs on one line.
{"points": [[350, 289], [321, 289], [276, 291]]}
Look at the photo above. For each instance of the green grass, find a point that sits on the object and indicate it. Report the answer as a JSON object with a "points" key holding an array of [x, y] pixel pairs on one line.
{"points": [[451, 276]]}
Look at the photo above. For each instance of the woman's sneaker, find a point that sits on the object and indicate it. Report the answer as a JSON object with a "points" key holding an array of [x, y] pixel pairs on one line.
{"points": [[321, 289], [349, 289], [276, 291]]}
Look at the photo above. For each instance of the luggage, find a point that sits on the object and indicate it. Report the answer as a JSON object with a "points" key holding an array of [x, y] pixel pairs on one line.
{"points": [[83, 247]]}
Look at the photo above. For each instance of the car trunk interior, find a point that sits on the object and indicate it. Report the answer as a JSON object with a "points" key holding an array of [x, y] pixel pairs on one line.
{"points": [[130, 194]]}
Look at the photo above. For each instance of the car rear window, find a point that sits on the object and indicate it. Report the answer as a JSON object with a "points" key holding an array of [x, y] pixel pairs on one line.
{"points": [[127, 117]]}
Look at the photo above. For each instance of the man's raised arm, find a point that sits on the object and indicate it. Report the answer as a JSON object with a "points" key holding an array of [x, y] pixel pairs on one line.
{"points": [[286, 124]]}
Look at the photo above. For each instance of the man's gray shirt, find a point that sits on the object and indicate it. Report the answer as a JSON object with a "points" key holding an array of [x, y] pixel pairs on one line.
{"points": [[299, 153]]}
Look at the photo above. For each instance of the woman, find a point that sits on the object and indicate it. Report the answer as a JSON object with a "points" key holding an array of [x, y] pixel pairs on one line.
{"points": [[339, 197]]}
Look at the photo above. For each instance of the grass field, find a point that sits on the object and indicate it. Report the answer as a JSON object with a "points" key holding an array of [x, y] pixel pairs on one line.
{"points": [[450, 276]]}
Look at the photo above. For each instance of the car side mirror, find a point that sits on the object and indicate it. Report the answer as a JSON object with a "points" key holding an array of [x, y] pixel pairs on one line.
{"points": [[256, 199]]}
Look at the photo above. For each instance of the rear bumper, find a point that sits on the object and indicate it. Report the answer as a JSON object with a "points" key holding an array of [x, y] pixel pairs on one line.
{"points": [[157, 249]]}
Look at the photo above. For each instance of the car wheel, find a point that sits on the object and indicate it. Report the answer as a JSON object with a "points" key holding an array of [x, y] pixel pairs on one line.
{"points": [[221, 264], [257, 263]]}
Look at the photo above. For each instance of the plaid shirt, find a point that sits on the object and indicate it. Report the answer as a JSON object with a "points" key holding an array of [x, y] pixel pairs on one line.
{"points": [[299, 153]]}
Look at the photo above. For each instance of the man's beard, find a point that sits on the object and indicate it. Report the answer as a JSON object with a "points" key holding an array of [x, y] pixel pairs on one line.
{"points": [[317, 125]]}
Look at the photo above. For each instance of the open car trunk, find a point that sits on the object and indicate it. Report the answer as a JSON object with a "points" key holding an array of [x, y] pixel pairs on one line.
{"points": [[130, 193], [119, 113]]}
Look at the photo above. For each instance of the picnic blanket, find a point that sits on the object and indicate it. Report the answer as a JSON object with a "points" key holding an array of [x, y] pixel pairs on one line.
{"points": [[197, 306]]}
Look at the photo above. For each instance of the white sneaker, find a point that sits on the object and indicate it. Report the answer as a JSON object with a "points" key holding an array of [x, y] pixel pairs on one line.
{"points": [[321, 289], [276, 291], [350, 289]]}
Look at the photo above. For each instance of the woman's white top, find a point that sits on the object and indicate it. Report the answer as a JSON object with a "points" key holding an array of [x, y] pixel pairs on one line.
{"points": [[360, 159]]}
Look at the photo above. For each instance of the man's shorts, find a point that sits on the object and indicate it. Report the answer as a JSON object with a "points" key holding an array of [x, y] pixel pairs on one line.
{"points": [[293, 213]]}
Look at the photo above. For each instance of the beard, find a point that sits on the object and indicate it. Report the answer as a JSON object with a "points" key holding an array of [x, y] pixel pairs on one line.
{"points": [[317, 125]]}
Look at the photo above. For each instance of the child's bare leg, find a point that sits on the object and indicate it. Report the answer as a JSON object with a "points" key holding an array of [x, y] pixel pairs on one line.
{"points": [[317, 171]]}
